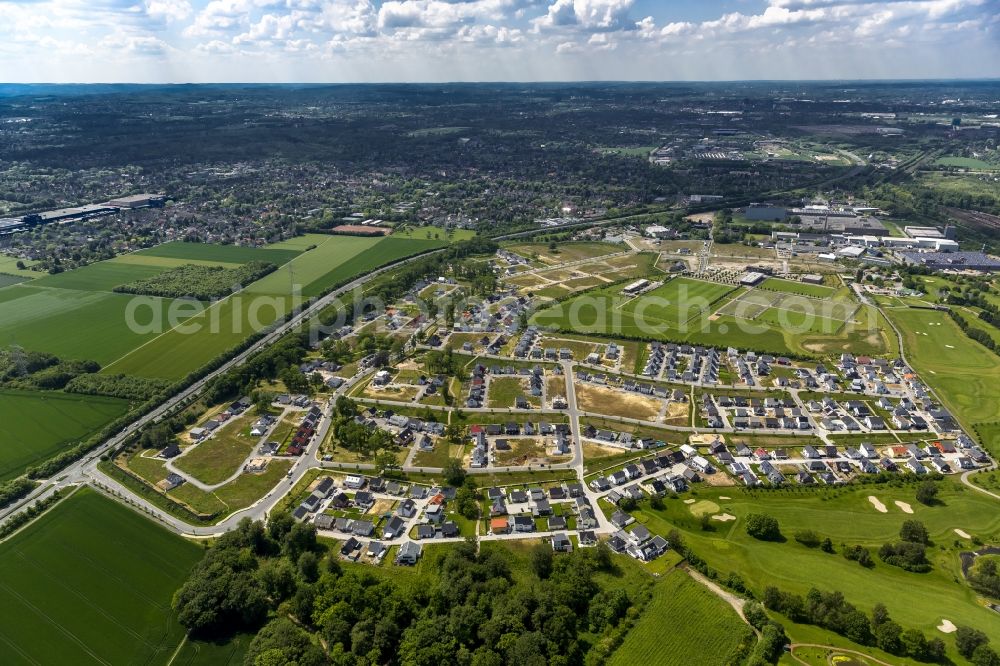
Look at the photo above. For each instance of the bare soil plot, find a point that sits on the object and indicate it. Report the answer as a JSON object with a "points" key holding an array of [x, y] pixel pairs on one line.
{"points": [[602, 400]]}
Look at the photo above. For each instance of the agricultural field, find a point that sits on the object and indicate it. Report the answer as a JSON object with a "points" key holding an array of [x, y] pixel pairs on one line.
{"points": [[35, 425], [846, 516], [68, 594], [716, 633], [38, 319], [219, 253], [312, 265], [101, 276], [966, 163]]}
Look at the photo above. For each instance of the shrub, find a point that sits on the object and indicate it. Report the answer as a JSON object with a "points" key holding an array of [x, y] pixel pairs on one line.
{"points": [[764, 527]]}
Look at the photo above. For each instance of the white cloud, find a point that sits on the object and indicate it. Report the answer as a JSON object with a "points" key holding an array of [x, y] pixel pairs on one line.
{"points": [[587, 15], [170, 10]]}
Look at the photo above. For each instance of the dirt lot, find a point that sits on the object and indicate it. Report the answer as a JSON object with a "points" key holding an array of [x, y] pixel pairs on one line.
{"points": [[602, 400], [381, 506]]}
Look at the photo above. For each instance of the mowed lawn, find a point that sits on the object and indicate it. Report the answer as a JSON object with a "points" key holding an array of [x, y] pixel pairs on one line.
{"points": [[35, 425], [74, 324], [964, 374], [846, 516], [684, 623], [678, 301], [801, 288], [91, 583]]}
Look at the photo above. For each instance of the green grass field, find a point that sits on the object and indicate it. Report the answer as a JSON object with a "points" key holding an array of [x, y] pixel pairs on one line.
{"points": [[801, 288], [9, 265], [434, 233], [846, 516], [312, 265], [965, 375], [102, 276], [91, 583], [35, 425], [225, 253], [219, 457], [683, 624], [227, 323], [966, 163], [565, 252], [73, 324]]}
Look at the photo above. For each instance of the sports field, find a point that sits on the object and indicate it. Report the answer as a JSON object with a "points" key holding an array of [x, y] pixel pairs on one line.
{"points": [[683, 624], [791, 311], [677, 306], [801, 288], [847, 517], [35, 425], [91, 582]]}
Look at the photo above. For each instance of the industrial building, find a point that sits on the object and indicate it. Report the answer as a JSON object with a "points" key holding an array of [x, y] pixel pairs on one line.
{"points": [[952, 261], [765, 213], [139, 201], [840, 223]]}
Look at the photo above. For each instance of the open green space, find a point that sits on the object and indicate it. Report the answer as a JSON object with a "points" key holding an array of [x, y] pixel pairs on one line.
{"points": [[217, 458], [966, 163], [8, 265], [35, 425], [964, 374], [76, 325], [801, 288], [846, 516], [227, 253], [434, 233], [564, 252], [100, 276], [91, 582], [683, 624]]}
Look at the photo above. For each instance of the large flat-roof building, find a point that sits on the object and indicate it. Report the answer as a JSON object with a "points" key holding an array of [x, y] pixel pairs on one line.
{"points": [[139, 201], [765, 213], [840, 223], [952, 261]]}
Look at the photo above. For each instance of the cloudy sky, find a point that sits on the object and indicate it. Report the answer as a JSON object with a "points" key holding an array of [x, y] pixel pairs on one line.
{"points": [[493, 40]]}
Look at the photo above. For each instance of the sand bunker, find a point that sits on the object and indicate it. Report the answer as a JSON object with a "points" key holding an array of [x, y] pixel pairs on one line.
{"points": [[963, 533], [723, 517], [723, 497], [877, 503], [690, 501], [946, 627], [950, 346], [904, 507]]}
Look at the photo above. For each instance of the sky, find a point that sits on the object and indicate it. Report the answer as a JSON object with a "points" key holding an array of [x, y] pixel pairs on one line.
{"points": [[174, 41]]}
